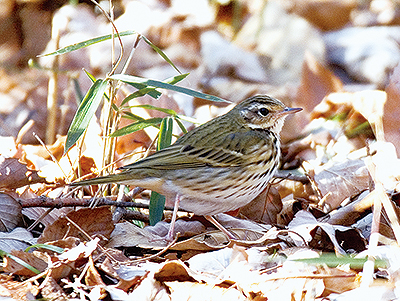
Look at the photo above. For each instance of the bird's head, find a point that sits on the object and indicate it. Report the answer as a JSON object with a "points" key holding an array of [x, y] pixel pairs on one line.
{"points": [[262, 112]]}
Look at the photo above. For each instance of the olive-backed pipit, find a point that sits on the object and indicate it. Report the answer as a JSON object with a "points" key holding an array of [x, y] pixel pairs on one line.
{"points": [[219, 166]]}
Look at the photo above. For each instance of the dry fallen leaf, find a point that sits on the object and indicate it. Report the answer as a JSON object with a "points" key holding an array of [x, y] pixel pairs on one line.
{"points": [[391, 112], [264, 208], [14, 174], [341, 180], [327, 14], [18, 291], [10, 213], [97, 221], [18, 239], [12, 266], [316, 83]]}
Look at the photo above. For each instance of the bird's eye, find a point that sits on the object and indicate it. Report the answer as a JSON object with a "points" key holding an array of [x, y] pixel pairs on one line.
{"points": [[263, 111]]}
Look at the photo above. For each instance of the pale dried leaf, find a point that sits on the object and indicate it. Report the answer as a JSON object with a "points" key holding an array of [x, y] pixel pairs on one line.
{"points": [[342, 180], [211, 263], [52, 291], [185, 228], [231, 222], [304, 224], [129, 235], [10, 213], [8, 147], [201, 291], [18, 239], [18, 291], [83, 250]]}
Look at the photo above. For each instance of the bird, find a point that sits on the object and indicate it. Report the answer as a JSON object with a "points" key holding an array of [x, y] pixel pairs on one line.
{"points": [[218, 166]]}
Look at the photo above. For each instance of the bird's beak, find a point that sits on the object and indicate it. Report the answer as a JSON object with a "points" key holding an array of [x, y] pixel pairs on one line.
{"points": [[287, 111]]}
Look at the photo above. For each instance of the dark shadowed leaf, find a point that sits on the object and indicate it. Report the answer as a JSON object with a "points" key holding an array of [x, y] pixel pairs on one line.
{"points": [[157, 201]]}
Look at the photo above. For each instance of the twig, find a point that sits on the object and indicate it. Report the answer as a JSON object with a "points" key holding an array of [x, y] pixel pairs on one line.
{"points": [[80, 202], [157, 254]]}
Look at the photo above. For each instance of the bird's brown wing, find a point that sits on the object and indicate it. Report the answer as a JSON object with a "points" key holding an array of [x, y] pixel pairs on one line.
{"points": [[231, 150]]}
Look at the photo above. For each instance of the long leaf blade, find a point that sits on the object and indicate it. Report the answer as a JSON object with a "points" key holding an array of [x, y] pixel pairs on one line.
{"points": [[143, 89], [150, 107], [165, 134], [157, 201], [130, 79], [162, 54], [86, 43], [142, 124], [85, 112]]}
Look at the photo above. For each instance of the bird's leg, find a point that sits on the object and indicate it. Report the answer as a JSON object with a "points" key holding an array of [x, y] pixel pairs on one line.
{"points": [[170, 236], [212, 220]]}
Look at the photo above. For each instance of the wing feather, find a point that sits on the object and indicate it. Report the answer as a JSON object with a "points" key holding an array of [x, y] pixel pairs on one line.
{"points": [[232, 150]]}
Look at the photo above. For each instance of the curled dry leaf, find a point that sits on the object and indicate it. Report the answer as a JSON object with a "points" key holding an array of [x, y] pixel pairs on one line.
{"points": [[52, 291], [97, 221], [10, 213], [11, 266], [264, 208], [326, 15], [18, 239], [323, 236], [341, 181], [14, 174], [18, 291], [92, 276], [354, 109]]}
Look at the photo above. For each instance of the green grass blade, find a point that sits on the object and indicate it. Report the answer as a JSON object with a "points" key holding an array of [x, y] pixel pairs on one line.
{"points": [[150, 107], [156, 207], [78, 91], [142, 124], [180, 124], [162, 54], [85, 112], [20, 261], [157, 201], [143, 89], [331, 260], [86, 43], [129, 115], [54, 249], [165, 134], [130, 79], [188, 119], [91, 77]]}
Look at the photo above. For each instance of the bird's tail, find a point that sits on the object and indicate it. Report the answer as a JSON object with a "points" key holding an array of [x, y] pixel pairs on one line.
{"points": [[113, 178]]}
